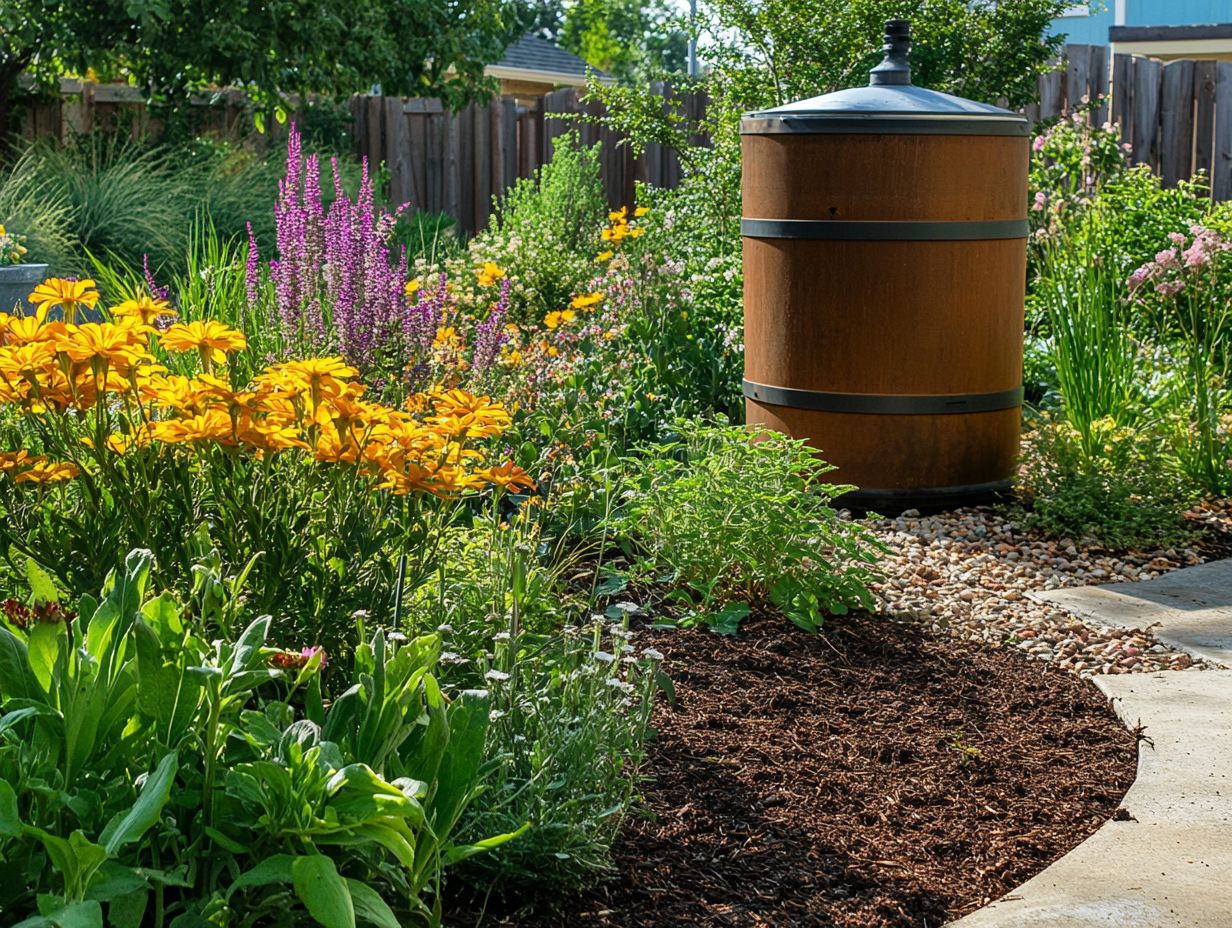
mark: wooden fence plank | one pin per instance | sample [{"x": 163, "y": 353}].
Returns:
[
  {"x": 1176, "y": 122},
  {"x": 1123, "y": 95},
  {"x": 1052, "y": 96},
  {"x": 1204, "y": 117},
  {"x": 1147, "y": 75},
  {"x": 1098, "y": 84},
  {"x": 1077, "y": 76},
  {"x": 481, "y": 169},
  {"x": 1221, "y": 171}
]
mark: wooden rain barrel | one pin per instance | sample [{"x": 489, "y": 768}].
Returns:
[{"x": 884, "y": 276}]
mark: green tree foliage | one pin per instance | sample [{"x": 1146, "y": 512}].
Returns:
[
  {"x": 176, "y": 47},
  {"x": 628, "y": 39}
]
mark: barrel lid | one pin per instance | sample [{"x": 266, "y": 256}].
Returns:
[{"x": 890, "y": 104}]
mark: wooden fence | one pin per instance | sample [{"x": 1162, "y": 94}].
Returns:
[
  {"x": 437, "y": 160},
  {"x": 455, "y": 162},
  {"x": 1176, "y": 116}
]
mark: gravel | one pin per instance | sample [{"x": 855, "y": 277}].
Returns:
[{"x": 965, "y": 574}]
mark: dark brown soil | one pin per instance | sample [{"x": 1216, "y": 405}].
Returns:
[{"x": 872, "y": 776}]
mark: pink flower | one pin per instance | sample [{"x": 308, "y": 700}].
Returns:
[
  {"x": 1166, "y": 258},
  {"x": 1141, "y": 276},
  {"x": 1176, "y": 238},
  {"x": 1039, "y": 143},
  {"x": 1169, "y": 287},
  {"x": 1041, "y": 201}
]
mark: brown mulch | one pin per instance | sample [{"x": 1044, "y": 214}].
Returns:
[{"x": 871, "y": 776}]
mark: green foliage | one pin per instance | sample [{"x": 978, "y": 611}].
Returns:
[
  {"x": 543, "y": 230},
  {"x": 627, "y": 39},
  {"x": 30, "y": 206},
  {"x": 570, "y": 712},
  {"x": 744, "y": 517},
  {"x": 147, "y": 769},
  {"x": 417, "y": 47},
  {"x": 1125, "y": 490},
  {"x": 1079, "y": 302}
]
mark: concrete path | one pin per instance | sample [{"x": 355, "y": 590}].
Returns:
[
  {"x": 1168, "y": 865},
  {"x": 1189, "y": 609}
]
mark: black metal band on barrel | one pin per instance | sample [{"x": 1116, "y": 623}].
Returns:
[
  {"x": 898, "y": 404},
  {"x": 924, "y": 124},
  {"x": 877, "y": 231}
]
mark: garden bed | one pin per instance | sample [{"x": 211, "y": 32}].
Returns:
[{"x": 875, "y": 775}]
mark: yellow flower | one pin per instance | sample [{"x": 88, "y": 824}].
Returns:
[
  {"x": 411, "y": 287},
  {"x": 508, "y": 476},
  {"x": 144, "y": 309},
  {"x": 489, "y": 274},
  {"x": 589, "y": 299},
  {"x": 561, "y": 317},
  {"x": 211, "y": 339},
  {"x": 619, "y": 215},
  {"x": 48, "y": 472},
  {"x": 641, "y": 211},
  {"x": 604, "y": 256},
  {"x": 70, "y": 294},
  {"x": 16, "y": 460},
  {"x": 104, "y": 340}
]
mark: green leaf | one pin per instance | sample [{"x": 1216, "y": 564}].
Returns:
[
  {"x": 128, "y": 911},
  {"x": 42, "y": 586},
  {"x": 130, "y": 826},
  {"x": 274, "y": 869},
  {"x": 16, "y": 680},
  {"x": 43, "y": 649},
  {"x": 10, "y": 822},
  {"x": 114, "y": 880},
  {"x": 322, "y": 891},
  {"x": 370, "y": 907},
  {"x": 727, "y": 620}
]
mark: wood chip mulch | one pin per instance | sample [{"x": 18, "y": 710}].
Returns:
[{"x": 870, "y": 776}]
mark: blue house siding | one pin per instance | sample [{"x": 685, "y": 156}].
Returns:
[{"x": 1092, "y": 29}]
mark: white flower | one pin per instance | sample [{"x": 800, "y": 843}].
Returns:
[
  {"x": 452, "y": 657},
  {"x": 360, "y": 614},
  {"x": 501, "y": 636},
  {"x": 628, "y": 608},
  {"x": 444, "y": 629},
  {"x": 621, "y": 685},
  {"x": 498, "y": 676},
  {"x": 495, "y": 714},
  {"x": 652, "y": 654},
  {"x": 604, "y": 657}
]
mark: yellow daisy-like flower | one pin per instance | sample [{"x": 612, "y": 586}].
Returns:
[
  {"x": 558, "y": 318},
  {"x": 211, "y": 339},
  {"x": 411, "y": 288},
  {"x": 70, "y": 294},
  {"x": 604, "y": 256},
  {"x": 16, "y": 460},
  {"x": 641, "y": 211},
  {"x": 584, "y": 301},
  {"x": 48, "y": 472},
  {"x": 145, "y": 309},
  {"x": 508, "y": 476},
  {"x": 489, "y": 274}
]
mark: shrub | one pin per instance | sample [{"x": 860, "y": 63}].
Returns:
[
  {"x": 174, "y": 779},
  {"x": 1124, "y": 491},
  {"x": 746, "y": 518},
  {"x": 542, "y": 231}
]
